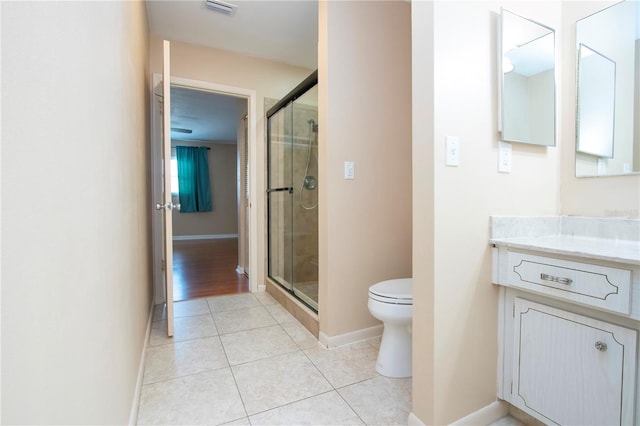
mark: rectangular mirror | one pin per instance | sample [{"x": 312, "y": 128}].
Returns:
[
  {"x": 608, "y": 91},
  {"x": 527, "y": 55},
  {"x": 596, "y": 102}
]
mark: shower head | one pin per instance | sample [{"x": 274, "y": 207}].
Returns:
[{"x": 314, "y": 125}]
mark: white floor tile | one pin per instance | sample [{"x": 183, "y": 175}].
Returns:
[
  {"x": 280, "y": 314},
  {"x": 303, "y": 338},
  {"x": 325, "y": 409},
  {"x": 242, "y": 319},
  {"x": 251, "y": 345},
  {"x": 232, "y": 302},
  {"x": 346, "y": 364},
  {"x": 381, "y": 400},
  {"x": 183, "y": 358},
  {"x": 279, "y": 373},
  {"x": 507, "y": 421},
  {"x": 278, "y": 380},
  {"x": 186, "y": 328},
  {"x": 265, "y": 298},
  {"x": 186, "y": 308},
  {"x": 240, "y": 422},
  {"x": 206, "y": 398}
]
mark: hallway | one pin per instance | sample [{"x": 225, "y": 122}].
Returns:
[{"x": 243, "y": 359}]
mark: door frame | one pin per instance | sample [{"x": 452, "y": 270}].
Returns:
[{"x": 156, "y": 174}]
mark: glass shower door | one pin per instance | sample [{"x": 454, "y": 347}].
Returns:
[
  {"x": 305, "y": 197},
  {"x": 280, "y": 197},
  {"x": 292, "y": 192}
]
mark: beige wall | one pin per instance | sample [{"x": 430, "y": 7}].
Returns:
[
  {"x": 601, "y": 196},
  {"x": 76, "y": 287},
  {"x": 267, "y": 78},
  {"x": 455, "y": 304},
  {"x": 223, "y": 219},
  {"x": 365, "y": 117}
]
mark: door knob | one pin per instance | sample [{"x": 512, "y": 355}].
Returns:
[
  {"x": 601, "y": 346},
  {"x": 166, "y": 206}
]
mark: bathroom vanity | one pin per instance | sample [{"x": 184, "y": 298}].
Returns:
[{"x": 569, "y": 317}]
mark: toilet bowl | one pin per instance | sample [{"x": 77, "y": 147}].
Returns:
[{"x": 392, "y": 303}]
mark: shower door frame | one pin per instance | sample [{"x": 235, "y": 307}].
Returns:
[{"x": 302, "y": 88}]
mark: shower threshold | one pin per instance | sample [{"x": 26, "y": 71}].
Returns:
[{"x": 306, "y": 292}]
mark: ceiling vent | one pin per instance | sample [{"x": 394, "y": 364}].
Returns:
[{"x": 221, "y": 7}]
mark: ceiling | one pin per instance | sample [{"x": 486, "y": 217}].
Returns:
[
  {"x": 281, "y": 31},
  {"x": 210, "y": 116}
]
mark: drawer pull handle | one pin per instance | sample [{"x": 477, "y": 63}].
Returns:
[
  {"x": 601, "y": 346},
  {"x": 559, "y": 280}
]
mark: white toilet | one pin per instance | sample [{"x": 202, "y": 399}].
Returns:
[{"x": 392, "y": 303}]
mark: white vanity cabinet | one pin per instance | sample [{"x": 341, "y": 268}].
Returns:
[
  {"x": 569, "y": 325},
  {"x": 570, "y": 369}
]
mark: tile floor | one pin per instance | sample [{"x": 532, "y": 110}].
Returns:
[{"x": 244, "y": 360}]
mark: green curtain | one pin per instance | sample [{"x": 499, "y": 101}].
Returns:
[{"x": 193, "y": 179}]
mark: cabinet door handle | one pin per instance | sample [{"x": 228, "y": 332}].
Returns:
[
  {"x": 601, "y": 346},
  {"x": 559, "y": 280}
]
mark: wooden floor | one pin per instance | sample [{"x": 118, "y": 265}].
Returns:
[{"x": 203, "y": 268}]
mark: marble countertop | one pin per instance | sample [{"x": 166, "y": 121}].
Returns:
[
  {"x": 624, "y": 251},
  {"x": 610, "y": 239}
]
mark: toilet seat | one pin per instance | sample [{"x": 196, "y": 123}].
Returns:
[{"x": 395, "y": 292}]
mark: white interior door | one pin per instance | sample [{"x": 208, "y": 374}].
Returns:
[
  {"x": 166, "y": 204},
  {"x": 245, "y": 196}
]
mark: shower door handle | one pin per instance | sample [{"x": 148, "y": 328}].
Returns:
[{"x": 285, "y": 188}]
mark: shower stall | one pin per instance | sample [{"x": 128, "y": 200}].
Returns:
[{"x": 292, "y": 192}]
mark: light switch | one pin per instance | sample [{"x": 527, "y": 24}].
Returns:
[
  {"x": 349, "y": 170},
  {"x": 452, "y": 151},
  {"x": 504, "y": 157}
]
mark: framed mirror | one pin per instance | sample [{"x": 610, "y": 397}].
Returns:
[
  {"x": 528, "y": 90},
  {"x": 608, "y": 91}
]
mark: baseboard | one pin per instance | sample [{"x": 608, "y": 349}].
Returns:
[
  {"x": 133, "y": 415},
  {"x": 203, "y": 237},
  {"x": 486, "y": 415},
  {"x": 414, "y": 420},
  {"x": 351, "y": 337}
]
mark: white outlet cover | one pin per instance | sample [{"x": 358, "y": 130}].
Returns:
[
  {"x": 452, "y": 151},
  {"x": 504, "y": 157},
  {"x": 349, "y": 170}
]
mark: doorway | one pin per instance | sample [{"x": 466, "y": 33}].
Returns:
[
  {"x": 211, "y": 249},
  {"x": 206, "y": 260}
]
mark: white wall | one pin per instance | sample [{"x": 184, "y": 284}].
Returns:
[
  {"x": 364, "y": 106},
  {"x": 455, "y": 305},
  {"x": 76, "y": 288}
]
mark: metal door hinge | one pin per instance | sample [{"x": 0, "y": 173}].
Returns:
[
  {"x": 513, "y": 311},
  {"x": 511, "y": 391},
  {"x": 163, "y": 265}
]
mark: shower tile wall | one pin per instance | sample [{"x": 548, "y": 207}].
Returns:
[{"x": 305, "y": 238}]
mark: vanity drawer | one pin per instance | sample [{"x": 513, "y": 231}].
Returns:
[{"x": 600, "y": 286}]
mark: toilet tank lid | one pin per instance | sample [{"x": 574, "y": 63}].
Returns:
[{"x": 401, "y": 288}]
